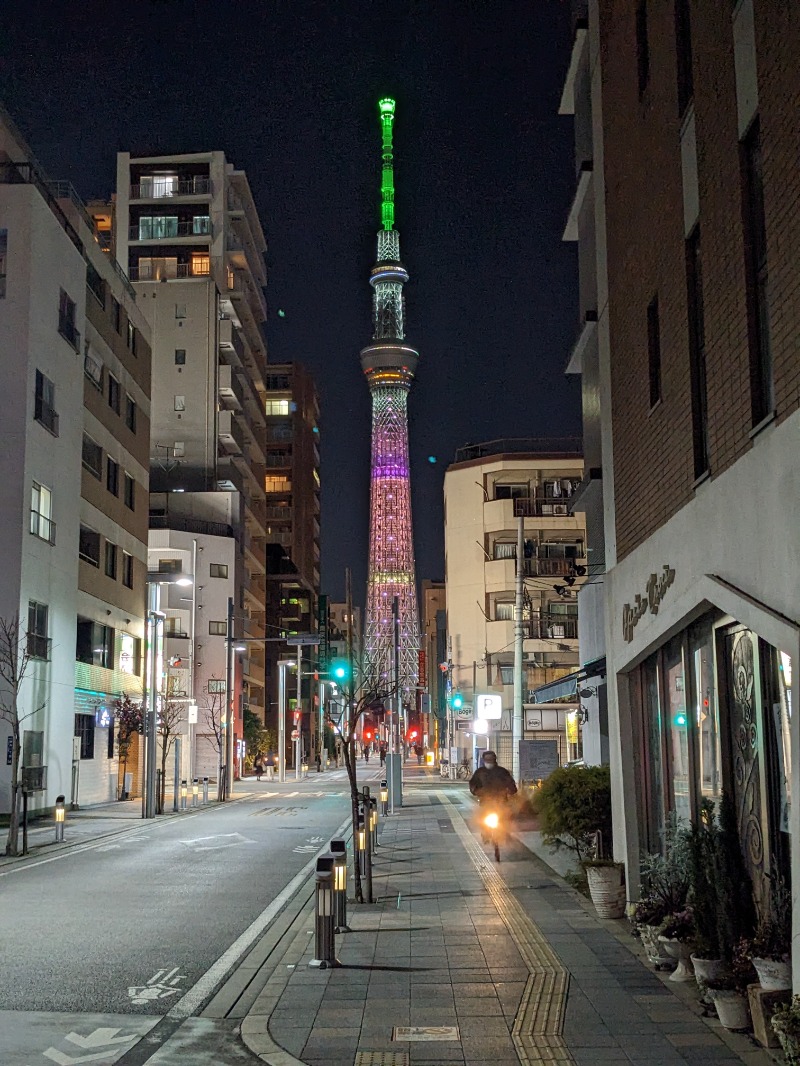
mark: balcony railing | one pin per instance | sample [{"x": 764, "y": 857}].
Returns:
[
  {"x": 553, "y": 447},
  {"x": 166, "y": 187},
  {"x": 194, "y": 228},
  {"x": 159, "y": 269},
  {"x": 45, "y": 415},
  {"x": 42, "y": 527},
  {"x": 547, "y": 507}
]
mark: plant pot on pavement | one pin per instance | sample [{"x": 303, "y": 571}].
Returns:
[
  {"x": 706, "y": 970},
  {"x": 790, "y": 1044},
  {"x": 774, "y": 975},
  {"x": 732, "y": 1009},
  {"x": 681, "y": 953},
  {"x": 655, "y": 952},
  {"x": 607, "y": 888}
]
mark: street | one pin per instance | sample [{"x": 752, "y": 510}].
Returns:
[{"x": 124, "y": 931}]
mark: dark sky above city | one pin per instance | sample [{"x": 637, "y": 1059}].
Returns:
[{"x": 289, "y": 89}]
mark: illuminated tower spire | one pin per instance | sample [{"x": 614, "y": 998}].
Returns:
[{"x": 389, "y": 365}]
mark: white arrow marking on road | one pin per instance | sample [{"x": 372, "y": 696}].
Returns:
[
  {"x": 72, "y": 1060},
  {"x": 305, "y": 848},
  {"x": 99, "y": 1038},
  {"x": 315, "y": 840},
  {"x": 223, "y": 840}
]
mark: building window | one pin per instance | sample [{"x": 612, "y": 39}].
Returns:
[
  {"x": 277, "y": 484},
  {"x": 89, "y": 546},
  {"x": 116, "y": 316},
  {"x": 697, "y": 352},
  {"x": 127, "y": 570},
  {"x": 66, "y": 321},
  {"x": 130, "y": 653},
  {"x": 215, "y": 685},
  {"x": 512, "y": 492},
  {"x": 84, "y": 728},
  {"x": 642, "y": 46},
  {"x": 130, "y": 413},
  {"x": 131, "y": 337},
  {"x": 155, "y": 227},
  {"x": 180, "y": 357},
  {"x": 201, "y": 224},
  {"x": 92, "y": 457},
  {"x": 218, "y": 570},
  {"x": 114, "y": 394},
  {"x": 41, "y": 509},
  {"x": 94, "y": 644},
  {"x": 217, "y": 629},
  {"x": 156, "y": 186},
  {"x": 170, "y": 566},
  {"x": 179, "y": 403},
  {"x": 277, "y": 407},
  {"x": 130, "y": 492},
  {"x": 180, "y": 311},
  {"x": 111, "y": 560},
  {"x": 654, "y": 351},
  {"x": 96, "y": 284},
  {"x": 38, "y": 645},
  {"x": 277, "y": 381},
  {"x": 178, "y": 449},
  {"x": 112, "y": 476},
  {"x": 93, "y": 369},
  {"x": 761, "y": 371},
  {"x": 44, "y": 403},
  {"x": 683, "y": 47},
  {"x": 504, "y": 612},
  {"x": 200, "y": 264},
  {"x": 505, "y": 549}
]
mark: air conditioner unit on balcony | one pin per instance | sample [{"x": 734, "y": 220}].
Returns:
[
  {"x": 547, "y": 508},
  {"x": 560, "y": 508}
]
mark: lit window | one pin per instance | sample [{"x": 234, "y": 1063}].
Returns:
[
  {"x": 180, "y": 403},
  {"x": 200, "y": 264},
  {"x": 278, "y": 484},
  {"x": 41, "y": 509},
  {"x": 277, "y": 407}
]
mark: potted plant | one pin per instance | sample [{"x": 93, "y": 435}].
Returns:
[
  {"x": 728, "y": 991},
  {"x": 770, "y": 948},
  {"x": 648, "y": 915},
  {"x": 606, "y": 886},
  {"x": 677, "y": 934},
  {"x": 665, "y": 887},
  {"x": 706, "y": 959},
  {"x": 786, "y": 1025}
]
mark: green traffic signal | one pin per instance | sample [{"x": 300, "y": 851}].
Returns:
[
  {"x": 458, "y": 701},
  {"x": 340, "y": 670}
]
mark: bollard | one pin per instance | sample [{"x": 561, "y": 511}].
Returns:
[
  {"x": 324, "y": 945},
  {"x": 195, "y": 791},
  {"x": 361, "y": 845},
  {"x": 205, "y": 790},
  {"x": 184, "y": 791},
  {"x": 159, "y": 795},
  {"x": 365, "y": 821},
  {"x": 384, "y": 798},
  {"x": 60, "y": 816},
  {"x": 339, "y": 852},
  {"x": 373, "y": 822}
]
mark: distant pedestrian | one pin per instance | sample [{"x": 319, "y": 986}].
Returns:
[
  {"x": 258, "y": 767},
  {"x": 382, "y": 754},
  {"x": 365, "y": 752},
  {"x": 419, "y": 751},
  {"x": 319, "y": 763}
]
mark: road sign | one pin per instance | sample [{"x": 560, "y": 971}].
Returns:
[
  {"x": 304, "y": 639},
  {"x": 295, "y": 734},
  {"x": 489, "y": 706}
]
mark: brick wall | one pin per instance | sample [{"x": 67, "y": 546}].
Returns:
[{"x": 653, "y": 457}]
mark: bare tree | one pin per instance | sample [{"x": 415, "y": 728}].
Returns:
[
  {"x": 170, "y": 720},
  {"x": 15, "y": 659},
  {"x": 213, "y": 704},
  {"x": 129, "y": 716}
]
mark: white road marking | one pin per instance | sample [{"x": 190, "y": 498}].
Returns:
[
  {"x": 99, "y": 1038},
  {"x": 195, "y": 996},
  {"x": 304, "y": 849},
  {"x": 217, "y": 842},
  {"x": 107, "y": 1039},
  {"x": 161, "y": 985}
]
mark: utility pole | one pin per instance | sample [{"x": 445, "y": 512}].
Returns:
[
  {"x": 516, "y": 721},
  {"x": 229, "y": 697},
  {"x": 298, "y": 744},
  {"x": 451, "y": 770}
]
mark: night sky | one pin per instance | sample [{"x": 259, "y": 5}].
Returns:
[{"x": 289, "y": 89}]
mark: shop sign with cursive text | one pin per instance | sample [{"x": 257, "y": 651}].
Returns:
[{"x": 657, "y": 585}]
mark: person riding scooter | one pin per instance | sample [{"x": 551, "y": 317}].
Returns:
[{"x": 490, "y": 782}]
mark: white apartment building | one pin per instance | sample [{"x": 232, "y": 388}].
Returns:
[
  {"x": 188, "y": 233},
  {"x": 486, "y": 491},
  {"x": 75, "y": 399}
]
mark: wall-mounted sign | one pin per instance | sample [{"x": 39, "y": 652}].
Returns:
[
  {"x": 9, "y": 751},
  {"x": 127, "y": 656},
  {"x": 191, "y": 714},
  {"x": 103, "y": 718},
  {"x": 655, "y": 590},
  {"x": 489, "y": 707}
]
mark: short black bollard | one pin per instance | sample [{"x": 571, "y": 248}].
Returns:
[
  {"x": 184, "y": 791},
  {"x": 60, "y": 816},
  {"x": 384, "y": 798},
  {"x": 324, "y": 945},
  {"x": 205, "y": 790},
  {"x": 339, "y": 852}
]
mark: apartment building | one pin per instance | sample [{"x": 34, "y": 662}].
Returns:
[
  {"x": 487, "y": 491},
  {"x": 188, "y": 233},
  {"x": 293, "y": 527},
  {"x": 689, "y": 134},
  {"x": 76, "y": 412}
]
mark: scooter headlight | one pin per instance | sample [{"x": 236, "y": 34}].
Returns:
[{"x": 491, "y": 821}]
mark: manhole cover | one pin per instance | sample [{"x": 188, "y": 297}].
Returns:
[
  {"x": 425, "y": 1032},
  {"x": 382, "y": 1058}
]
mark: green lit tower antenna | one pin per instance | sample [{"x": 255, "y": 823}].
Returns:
[{"x": 389, "y": 364}]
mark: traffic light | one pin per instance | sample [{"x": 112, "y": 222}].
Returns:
[
  {"x": 340, "y": 671},
  {"x": 413, "y": 734},
  {"x": 297, "y": 716},
  {"x": 367, "y": 734},
  {"x": 457, "y": 701},
  {"x": 680, "y": 719}
]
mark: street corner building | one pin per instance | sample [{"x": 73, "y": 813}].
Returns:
[{"x": 687, "y": 222}]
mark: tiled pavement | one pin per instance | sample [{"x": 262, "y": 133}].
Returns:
[{"x": 517, "y": 961}]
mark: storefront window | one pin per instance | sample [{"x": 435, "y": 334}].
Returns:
[
  {"x": 706, "y": 712},
  {"x": 678, "y": 728},
  {"x": 655, "y": 762},
  {"x": 783, "y": 716}
]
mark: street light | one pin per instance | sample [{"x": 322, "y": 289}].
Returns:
[
  {"x": 155, "y": 579},
  {"x": 283, "y": 666}
]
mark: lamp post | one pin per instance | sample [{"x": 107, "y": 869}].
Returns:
[
  {"x": 155, "y": 579},
  {"x": 283, "y": 666}
]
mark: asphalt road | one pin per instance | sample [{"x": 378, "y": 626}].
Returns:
[{"x": 129, "y": 927}]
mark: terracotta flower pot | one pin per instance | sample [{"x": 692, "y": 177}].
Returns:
[
  {"x": 680, "y": 953},
  {"x": 732, "y": 1009},
  {"x": 773, "y": 975},
  {"x": 607, "y": 890}
]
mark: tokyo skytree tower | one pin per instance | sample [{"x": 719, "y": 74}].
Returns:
[{"x": 389, "y": 365}]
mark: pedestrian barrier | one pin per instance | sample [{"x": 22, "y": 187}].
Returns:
[{"x": 324, "y": 943}]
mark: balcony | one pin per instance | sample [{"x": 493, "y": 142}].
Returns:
[
  {"x": 167, "y": 268},
  {"x": 229, "y": 433},
  {"x": 163, "y": 187},
  {"x": 279, "y": 461},
  {"x": 197, "y": 227},
  {"x": 539, "y": 634},
  {"x": 229, "y": 388}
]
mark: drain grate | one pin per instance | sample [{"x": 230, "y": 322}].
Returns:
[
  {"x": 425, "y": 1032},
  {"x": 382, "y": 1058}
]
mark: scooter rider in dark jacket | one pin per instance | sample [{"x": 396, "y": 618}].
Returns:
[{"x": 491, "y": 782}]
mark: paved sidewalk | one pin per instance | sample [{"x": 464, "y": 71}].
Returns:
[{"x": 508, "y": 956}]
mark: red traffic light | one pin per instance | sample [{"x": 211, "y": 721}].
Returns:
[
  {"x": 298, "y": 715},
  {"x": 367, "y": 734},
  {"x": 412, "y": 734}
]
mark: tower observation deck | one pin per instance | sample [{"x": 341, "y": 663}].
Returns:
[{"x": 389, "y": 364}]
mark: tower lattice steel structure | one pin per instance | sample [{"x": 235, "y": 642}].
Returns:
[{"x": 389, "y": 365}]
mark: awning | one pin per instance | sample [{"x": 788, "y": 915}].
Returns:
[{"x": 567, "y": 685}]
